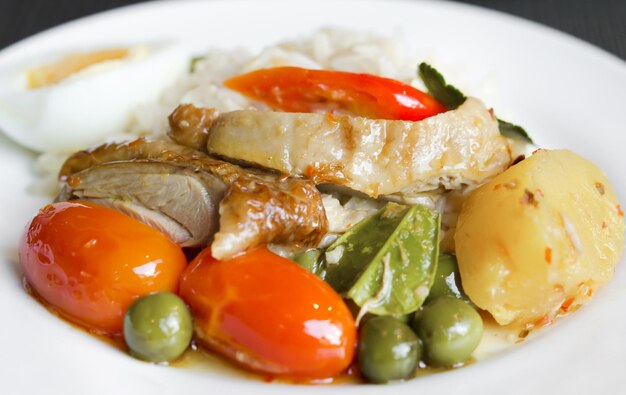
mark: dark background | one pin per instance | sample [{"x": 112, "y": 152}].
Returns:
[{"x": 601, "y": 22}]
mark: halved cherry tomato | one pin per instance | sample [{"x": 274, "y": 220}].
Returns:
[
  {"x": 269, "y": 314},
  {"x": 295, "y": 89},
  {"x": 90, "y": 262}
]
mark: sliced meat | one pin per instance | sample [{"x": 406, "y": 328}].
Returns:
[
  {"x": 179, "y": 201},
  {"x": 254, "y": 207},
  {"x": 372, "y": 156}
]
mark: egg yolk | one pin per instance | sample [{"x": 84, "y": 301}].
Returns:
[{"x": 55, "y": 72}]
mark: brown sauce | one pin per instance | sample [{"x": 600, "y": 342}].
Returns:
[{"x": 496, "y": 339}]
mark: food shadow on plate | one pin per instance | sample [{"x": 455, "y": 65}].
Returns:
[
  {"x": 10, "y": 145},
  {"x": 11, "y": 257}
]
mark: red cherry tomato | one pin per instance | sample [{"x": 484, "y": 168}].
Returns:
[
  {"x": 269, "y": 314},
  {"x": 90, "y": 262},
  {"x": 295, "y": 89}
]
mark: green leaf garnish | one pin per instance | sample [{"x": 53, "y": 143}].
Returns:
[
  {"x": 445, "y": 94},
  {"x": 193, "y": 62},
  {"x": 452, "y": 98},
  {"x": 386, "y": 263},
  {"x": 513, "y": 131}
]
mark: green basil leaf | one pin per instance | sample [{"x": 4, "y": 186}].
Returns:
[
  {"x": 445, "y": 94},
  {"x": 387, "y": 262},
  {"x": 513, "y": 131},
  {"x": 452, "y": 98}
]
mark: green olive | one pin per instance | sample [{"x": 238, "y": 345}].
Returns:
[
  {"x": 447, "y": 279},
  {"x": 158, "y": 327},
  {"x": 388, "y": 350},
  {"x": 406, "y": 318},
  {"x": 450, "y": 330}
]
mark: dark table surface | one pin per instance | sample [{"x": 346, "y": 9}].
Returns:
[{"x": 601, "y": 22}]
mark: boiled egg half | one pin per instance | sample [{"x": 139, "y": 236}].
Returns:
[{"x": 74, "y": 100}]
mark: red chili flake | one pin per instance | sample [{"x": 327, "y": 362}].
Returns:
[
  {"x": 497, "y": 186},
  {"x": 543, "y": 321},
  {"x": 490, "y": 111},
  {"x": 537, "y": 150},
  {"x": 619, "y": 210},
  {"x": 566, "y": 305},
  {"x": 548, "y": 255},
  {"x": 589, "y": 292}
]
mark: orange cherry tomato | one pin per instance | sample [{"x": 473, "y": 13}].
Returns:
[
  {"x": 90, "y": 262},
  {"x": 269, "y": 314},
  {"x": 295, "y": 89}
]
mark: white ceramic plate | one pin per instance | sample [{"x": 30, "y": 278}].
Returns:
[{"x": 565, "y": 92}]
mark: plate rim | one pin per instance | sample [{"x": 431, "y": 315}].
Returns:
[{"x": 586, "y": 47}]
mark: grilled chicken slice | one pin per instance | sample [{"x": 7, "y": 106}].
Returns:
[
  {"x": 372, "y": 156},
  {"x": 153, "y": 181}
]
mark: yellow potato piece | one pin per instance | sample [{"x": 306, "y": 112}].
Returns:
[
  {"x": 540, "y": 238},
  {"x": 53, "y": 73}
]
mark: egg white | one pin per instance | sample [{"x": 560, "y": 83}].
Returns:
[{"x": 88, "y": 106}]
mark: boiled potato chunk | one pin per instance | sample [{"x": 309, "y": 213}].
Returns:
[{"x": 539, "y": 238}]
